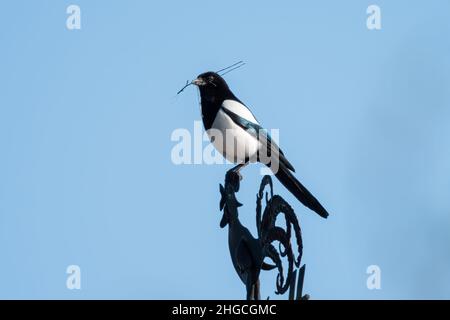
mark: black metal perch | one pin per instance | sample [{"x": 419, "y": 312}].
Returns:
[{"x": 247, "y": 252}]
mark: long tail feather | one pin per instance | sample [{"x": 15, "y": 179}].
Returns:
[{"x": 299, "y": 191}]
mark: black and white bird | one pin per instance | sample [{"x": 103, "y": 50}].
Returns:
[{"x": 243, "y": 138}]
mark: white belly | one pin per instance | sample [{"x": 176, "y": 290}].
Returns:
[{"x": 233, "y": 142}]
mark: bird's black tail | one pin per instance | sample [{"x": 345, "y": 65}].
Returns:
[{"x": 299, "y": 191}]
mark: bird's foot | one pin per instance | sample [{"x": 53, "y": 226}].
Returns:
[
  {"x": 233, "y": 178},
  {"x": 237, "y": 170}
]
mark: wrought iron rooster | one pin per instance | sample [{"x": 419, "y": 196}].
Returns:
[{"x": 247, "y": 252}]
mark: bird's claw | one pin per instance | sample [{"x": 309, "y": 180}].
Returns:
[{"x": 233, "y": 178}]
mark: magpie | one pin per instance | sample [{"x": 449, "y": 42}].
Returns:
[{"x": 242, "y": 137}]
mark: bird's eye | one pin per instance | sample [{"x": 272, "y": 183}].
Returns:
[{"x": 210, "y": 78}]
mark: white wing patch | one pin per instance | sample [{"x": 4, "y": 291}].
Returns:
[
  {"x": 235, "y": 144},
  {"x": 240, "y": 110}
]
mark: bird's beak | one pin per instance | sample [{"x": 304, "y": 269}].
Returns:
[{"x": 198, "y": 82}]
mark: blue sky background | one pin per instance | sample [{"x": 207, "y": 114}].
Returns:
[{"x": 86, "y": 116}]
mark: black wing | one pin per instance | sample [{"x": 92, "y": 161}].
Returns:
[
  {"x": 284, "y": 173},
  {"x": 262, "y": 135}
]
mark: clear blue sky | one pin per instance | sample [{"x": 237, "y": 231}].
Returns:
[{"x": 86, "y": 117}]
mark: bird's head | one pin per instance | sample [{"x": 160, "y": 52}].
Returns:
[{"x": 211, "y": 84}]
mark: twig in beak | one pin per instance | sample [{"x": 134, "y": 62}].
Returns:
[
  {"x": 239, "y": 64},
  {"x": 229, "y": 69},
  {"x": 188, "y": 83}
]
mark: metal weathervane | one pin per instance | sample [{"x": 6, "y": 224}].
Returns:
[
  {"x": 248, "y": 253},
  {"x": 224, "y": 115}
]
